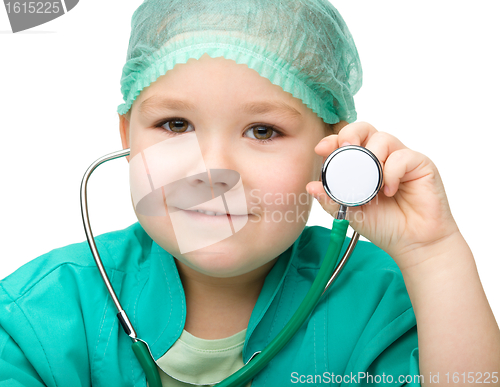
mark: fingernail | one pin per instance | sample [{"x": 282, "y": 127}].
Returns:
[{"x": 345, "y": 143}]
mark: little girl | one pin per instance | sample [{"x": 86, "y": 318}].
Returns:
[{"x": 221, "y": 98}]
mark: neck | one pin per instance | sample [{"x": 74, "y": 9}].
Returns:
[{"x": 220, "y": 307}]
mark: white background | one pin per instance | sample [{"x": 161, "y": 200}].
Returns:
[{"x": 431, "y": 79}]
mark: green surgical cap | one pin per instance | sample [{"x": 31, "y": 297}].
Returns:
[{"x": 303, "y": 46}]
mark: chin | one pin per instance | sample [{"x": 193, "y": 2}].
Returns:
[{"x": 216, "y": 263}]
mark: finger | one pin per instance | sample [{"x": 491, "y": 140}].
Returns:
[
  {"x": 357, "y": 133},
  {"x": 327, "y": 145},
  {"x": 383, "y": 144},
  {"x": 399, "y": 168},
  {"x": 316, "y": 189}
]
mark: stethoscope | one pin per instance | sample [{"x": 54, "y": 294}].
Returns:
[{"x": 351, "y": 176}]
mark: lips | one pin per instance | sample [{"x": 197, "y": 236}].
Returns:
[
  {"x": 212, "y": 213},
  {"x": 204, "y": 210},
  {"x": 209, "y": 212},
  {"x": 212, "y": 220}
]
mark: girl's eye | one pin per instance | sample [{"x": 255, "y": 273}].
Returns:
[
  {"x": 262, "y": 133},
  {"x": 175, "y": 125}
]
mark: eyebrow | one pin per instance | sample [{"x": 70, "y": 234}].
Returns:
[{"x": 154, "y": 103}]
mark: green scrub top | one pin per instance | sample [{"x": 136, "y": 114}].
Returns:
[{"x": 58, "y": 325}]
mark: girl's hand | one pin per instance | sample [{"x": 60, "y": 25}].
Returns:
[{"x": 411, "y": 211}]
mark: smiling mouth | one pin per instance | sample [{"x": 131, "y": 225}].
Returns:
[{"x": 210, "y": 213}]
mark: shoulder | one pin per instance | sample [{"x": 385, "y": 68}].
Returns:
[
  {"x": 60, "y": 295},
  {"x": 121, "y": 250},
  {"x": 366, "y": 315}
]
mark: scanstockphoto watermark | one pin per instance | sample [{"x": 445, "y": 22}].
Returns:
[
  {"x": 470, "y": 377},
  {"x": 354, "y": 378},
  {"x": 289, "y": 207}
]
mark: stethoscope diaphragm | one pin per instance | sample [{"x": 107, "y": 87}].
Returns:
[{"x": 352, "y": 176}]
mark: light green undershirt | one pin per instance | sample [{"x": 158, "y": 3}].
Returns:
[{"x": 194, "y": 361}]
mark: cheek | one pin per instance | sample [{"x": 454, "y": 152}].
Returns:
[
  {"x": 161, "y": 230},
  {"x": 281, "y": 187}
]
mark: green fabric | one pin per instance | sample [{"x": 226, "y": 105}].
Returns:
[
  {"x": 303, "y": 46},
  {"x": 195, "y": 361},
  {"x": 58, "y": 326}
]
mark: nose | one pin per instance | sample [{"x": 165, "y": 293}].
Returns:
[
  {"x": 223, "y": 180},
  {"x": 220, "y": 180},
  {"x": 219, "y": 162},
  {"x": 215, "y": 146}
]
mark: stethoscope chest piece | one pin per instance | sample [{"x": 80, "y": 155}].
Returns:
[{"x": 352, "y": 175}]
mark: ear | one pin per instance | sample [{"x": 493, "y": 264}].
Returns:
[{"x": 125, "y": 132}]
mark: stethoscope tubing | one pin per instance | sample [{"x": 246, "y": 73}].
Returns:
[{"x": 323, "y": 280}]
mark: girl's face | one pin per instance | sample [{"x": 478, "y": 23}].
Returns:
[{"x": 244, "y": 123}]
